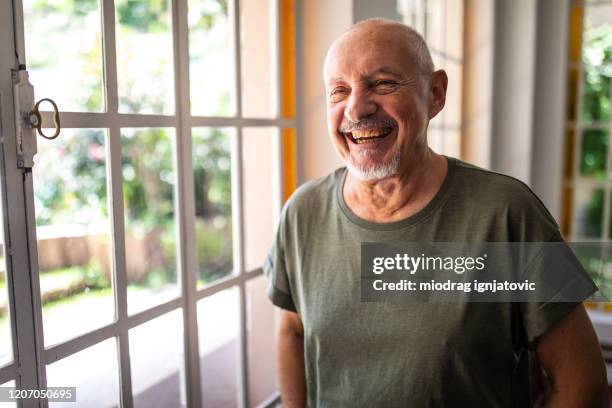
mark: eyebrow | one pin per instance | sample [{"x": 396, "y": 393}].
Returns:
[
  {"x": 381, "y": 70},
  {"x": 386, "y": 70}
]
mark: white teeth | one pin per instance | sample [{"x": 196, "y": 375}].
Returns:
[{"x": 368, "y": 133}]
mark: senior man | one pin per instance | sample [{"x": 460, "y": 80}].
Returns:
[{"x": 335, "y": 351}]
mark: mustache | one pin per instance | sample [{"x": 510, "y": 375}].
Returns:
[{"x": 347, "y": 126}]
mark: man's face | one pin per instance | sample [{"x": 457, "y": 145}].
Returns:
[{"x": 378, "y": 104}]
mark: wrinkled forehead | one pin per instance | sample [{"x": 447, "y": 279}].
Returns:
[{"x": 356, "y": 56}]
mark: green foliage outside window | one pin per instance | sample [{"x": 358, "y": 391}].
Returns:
[
  {"x": 74, "y": 187},
  {"x": 597, "y": 60},
  {"x": 597, "y": 57},
  {"x": 594, "y": 153},
  {"x": 144, "y": 16},
  {"x": 212, "y": 186}
]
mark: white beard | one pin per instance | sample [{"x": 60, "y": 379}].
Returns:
[{"x": 375, "y": 171}]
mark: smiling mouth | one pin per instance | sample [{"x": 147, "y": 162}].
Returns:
[{"x": 368, "y": 136}]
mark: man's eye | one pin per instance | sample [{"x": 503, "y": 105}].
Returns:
[
  {"x": 337, "y": 94},
  {"x": 384, "y": 86},
  {"x": 384, "y": 83}
]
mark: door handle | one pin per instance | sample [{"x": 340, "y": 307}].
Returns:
[
  {"x": 35, "y": 119},
  {"x": 28, "y": 118}
]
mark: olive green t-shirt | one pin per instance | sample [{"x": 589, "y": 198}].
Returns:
[{"x": 360, "y": 354}]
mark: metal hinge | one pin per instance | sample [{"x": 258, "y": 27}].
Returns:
[{"x": 24, "y": 102}]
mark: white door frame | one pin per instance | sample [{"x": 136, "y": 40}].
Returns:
[{"x": 19, "y": 232}]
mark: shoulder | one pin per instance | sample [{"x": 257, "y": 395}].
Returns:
[
  {"x": 315, "y": 195},
  {"x": 495, "y": 187},
  {"x": 309, "y": 207},
  {"x": 503, "y": 195}
]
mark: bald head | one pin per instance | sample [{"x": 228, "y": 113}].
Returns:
[
  {"x": 377, "y": 32},
  {"x": 381, "y": 91}
]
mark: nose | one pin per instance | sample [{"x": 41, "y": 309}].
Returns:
[{"x": 359, "y": 106}]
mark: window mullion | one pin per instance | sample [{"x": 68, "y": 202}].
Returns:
[
  {"x": 119, "y": 263},
  {"x": 90, "y": 120},
  {"x": 109, "y": 45},
  {"x": 237, "y": 208},
  {"x": 185, "y": 205},
  {"x": 115, "y": 184},
  {"x": 238, "y": 260},
  {"x": 235, "y": 34}
]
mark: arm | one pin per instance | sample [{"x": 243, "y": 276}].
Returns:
[
  {"x": 570, "y": 354},
  {"x": 290, "y": 361}
]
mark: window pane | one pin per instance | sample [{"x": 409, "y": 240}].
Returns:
[
  {"x": 213, "y": 202},
  {"x": 435, "y": 27},
  {"x": 596, "y": 94},
  {"x": 597, "y": 57},
  {"x": 588, "y": 213},
  {"x": 258, "y": 55},
  {"x": 453, "y": 41},
  {"x": 150, "y": 221},
  {"x": 261, "y": 344},
  {"x": 93, "y": 371},
  {"x": 413, "y": 13},
  {"x": 156, "y": 356},
  {"x": 211, "y": 58},
  {"x": 218, "y": 328},
  {"x": 594, "y": 153},
  {"x": 73, "y": 231},
  {"x": 64, "y": 52},
  {"x": 596, "y": 48},
  {"x": 145, "y": 72},
  {"x": 258, "y": 156}
]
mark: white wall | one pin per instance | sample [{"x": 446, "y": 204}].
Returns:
[
  {"x": 478, "y": 82},
  {"x": 321, "y": 22},
  {"x": 513, "y": 93},
  {"x": 549, "y": 103}
]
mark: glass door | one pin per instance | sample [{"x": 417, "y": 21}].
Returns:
[{"x": 142, "y": 228}]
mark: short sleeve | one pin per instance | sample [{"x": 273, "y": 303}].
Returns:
[
  {"x": 275, "y": 270},
  {"x": 572, "y": 286},
  {"x": 539, "y": 317}
]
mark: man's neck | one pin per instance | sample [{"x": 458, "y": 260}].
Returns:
[{"x": 398, "y": 197}]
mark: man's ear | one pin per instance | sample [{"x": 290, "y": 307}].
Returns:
[{"x": 437, "y": 92}]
